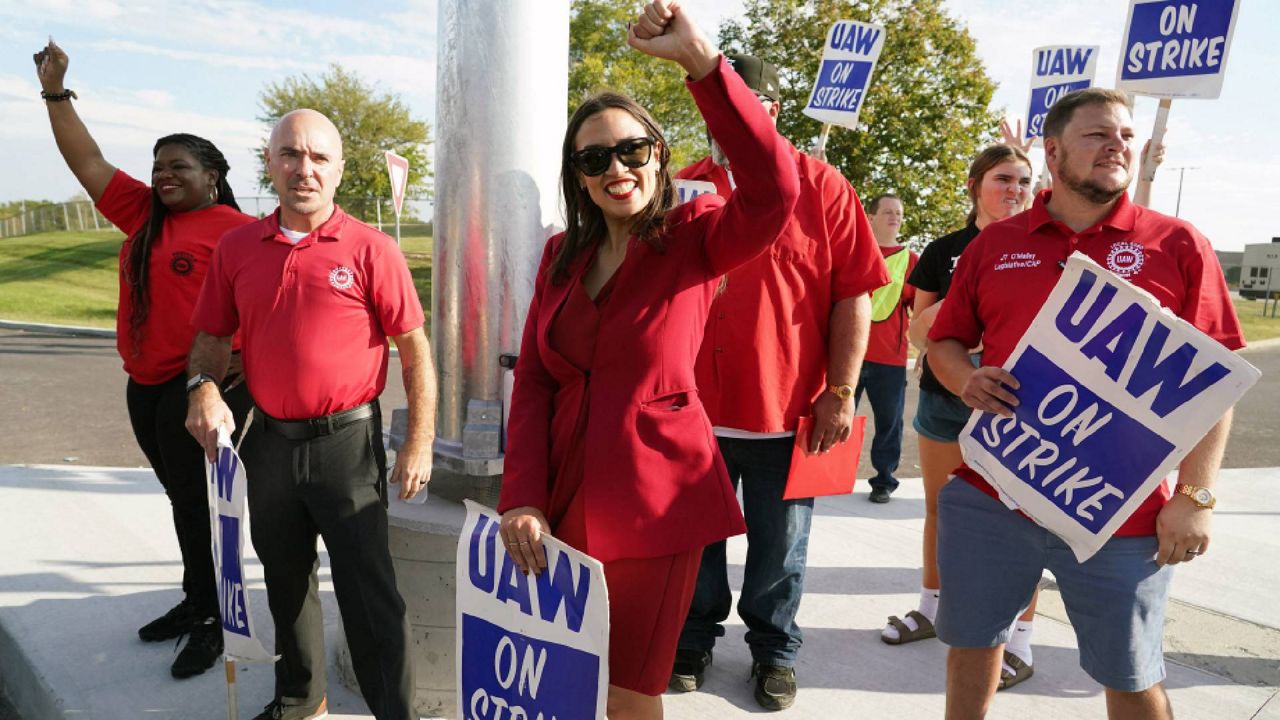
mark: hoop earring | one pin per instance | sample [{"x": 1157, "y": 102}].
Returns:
[{"x": 213, "y": 195}]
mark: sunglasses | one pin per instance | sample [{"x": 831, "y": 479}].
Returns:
[{"x": 594, "y": 160}]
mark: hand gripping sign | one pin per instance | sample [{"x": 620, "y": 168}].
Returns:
[
  {"x": 844, "y": 74},
  {"x": 1114, "y": 390},
  {"x": 227, "y": 488},
  {"x": 529, "y": 647},
  {"x": 1176, "y": 48},
  {"x": 1055, "y": 71}
]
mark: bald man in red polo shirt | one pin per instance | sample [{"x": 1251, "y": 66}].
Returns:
[
  {"x": 989, "y": 556},
  {"x": 784, "y": 340},
  {"x": 315, "y": 294}
]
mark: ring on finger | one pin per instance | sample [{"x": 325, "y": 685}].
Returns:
[{"x": 1193, "y": 553}]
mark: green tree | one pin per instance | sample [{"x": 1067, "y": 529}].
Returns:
[
  {"x": 600, "y": 59},
  {"x": 370, "y": 122},
  {"x": 922, "y": 121}
]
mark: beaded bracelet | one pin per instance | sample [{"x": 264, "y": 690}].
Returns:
[{"x": 59, "y": 97}]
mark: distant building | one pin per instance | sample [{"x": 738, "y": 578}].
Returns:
[
  {"x": 1230, "y": 260},
  {"x": 1260, "y": 270}
]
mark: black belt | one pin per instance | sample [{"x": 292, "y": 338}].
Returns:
[{"x": 321, "y": 426}]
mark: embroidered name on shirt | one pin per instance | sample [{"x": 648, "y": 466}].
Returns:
[
  {"x": 342, "y": 277},
  {"x": 1126, "y": 259},
  {"x": 1012, "y": 261}
]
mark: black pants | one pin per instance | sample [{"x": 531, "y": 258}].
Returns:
[
  {"x": 158, "y": 414},
  {"x": 333, "y": 486}
]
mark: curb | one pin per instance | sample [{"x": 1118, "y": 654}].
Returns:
[
  {"x": 24, "y": 686},
  {"x": 72, "y": 330}
]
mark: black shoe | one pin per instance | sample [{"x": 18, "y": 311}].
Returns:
[
  {"x": 276, "y": 710},
  {"x": 203, "y": 648},
  {"x": 879, "y": 495},
  {"x": 689, "y": 669},
  {"x": 170, "y": 625},
  {"x": 775, "y": 686}
]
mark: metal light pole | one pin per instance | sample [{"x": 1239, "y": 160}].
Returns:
[{"x": 1182, "y": 171}]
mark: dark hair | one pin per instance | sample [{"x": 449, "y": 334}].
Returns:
[
  {"x": 1062, "y": 111},
  {"x": 982, "y": 164},
  {"x": 584, "y": 222},
  {"x": 138, "y": 261},
  {"x": 873, "y": 207}
]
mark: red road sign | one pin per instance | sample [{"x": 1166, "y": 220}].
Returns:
[{"x": 398, "y": 169}]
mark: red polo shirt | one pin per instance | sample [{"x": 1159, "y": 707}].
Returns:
[
  {"x": 175, "y": 270},
  {"x": 764, "y": 357},
  {"x": 315, "y": 316},
  {"x": 888, "y": 343},
  {"x": 1007, "y": 273}
]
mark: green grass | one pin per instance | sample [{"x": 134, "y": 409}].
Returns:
[
  {"x": 70, "y": 278},
  {"x": 1256, "y": 327},
  {"x": 63, "y": 277}
]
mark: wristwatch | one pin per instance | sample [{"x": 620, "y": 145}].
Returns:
[
  {"x": 1201, "y": 496},
  {"x": 844, "y": 392},
  {"x": 199, "y": 379}
]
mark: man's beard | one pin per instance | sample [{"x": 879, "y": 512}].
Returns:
[{"x": 1089, "y": 189}]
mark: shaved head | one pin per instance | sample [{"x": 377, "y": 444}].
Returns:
[
  {"x": 307, "y": 122},
  {"x": 304, "y": 159}
]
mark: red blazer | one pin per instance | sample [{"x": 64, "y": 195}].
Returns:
[{"x": 654, "y": 481}]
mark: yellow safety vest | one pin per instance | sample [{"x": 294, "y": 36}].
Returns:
[{"x": 885, "y": 300}]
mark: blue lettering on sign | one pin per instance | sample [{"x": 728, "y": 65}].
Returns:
[
  {"x": 506, "y": 676},
  {"x": 231, "y": 584},
  {"x": 225, "y": 472},
  {"x": 1112, "y": 345},
  {"x": 685, "y": 193},
  {"x": 1062, "y": 61},
  {"x": 1074, "y": 448},
  {"x": 556, "y": 585},
  {"x": 852, "y": 37},
  {"x": 1043, "y": 98},
  {"x": 1177, "y": 38},
  {"x": 841, "y": 85}
]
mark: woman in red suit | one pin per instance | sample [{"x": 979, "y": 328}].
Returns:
[{"x": 608, "y": 447}]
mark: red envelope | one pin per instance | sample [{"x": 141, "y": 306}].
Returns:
[{"x": 829, "y": 474}]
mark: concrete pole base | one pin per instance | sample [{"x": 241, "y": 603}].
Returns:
[{"x": 424, "y": 547}]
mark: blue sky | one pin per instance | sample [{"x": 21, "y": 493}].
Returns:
[{"x": 144, "y": 68}]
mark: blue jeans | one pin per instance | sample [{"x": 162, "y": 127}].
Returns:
[
  {"x": 777, "y": 549},
  {"x": 886, "y": 388}
]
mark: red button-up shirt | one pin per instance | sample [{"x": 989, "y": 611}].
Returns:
[
  {"x": 764, "y": 357},
  {"x": 1008, "y": 271}
]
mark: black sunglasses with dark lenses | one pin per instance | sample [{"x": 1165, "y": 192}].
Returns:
[{"x": 593, "y": 160}]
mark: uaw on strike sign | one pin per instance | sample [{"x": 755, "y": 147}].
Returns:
[
  {"x": 530, "y": 647},
  {"x": 227, "y": 488},
  {"x": 1114, "y": 391},
  {"x": 848, "y": 59}
]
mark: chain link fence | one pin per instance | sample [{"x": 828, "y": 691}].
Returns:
[{"x": 82, "y": 216}]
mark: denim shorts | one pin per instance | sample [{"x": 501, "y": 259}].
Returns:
[
  {"x": 940, "y": 416},
  {"x": 991, "y": 558}
]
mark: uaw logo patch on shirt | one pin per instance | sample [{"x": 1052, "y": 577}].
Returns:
[
  {"x": 182, "y": 263},
  {"x": 342, "y": 277},
  {"x": 1126, "y": 259}
]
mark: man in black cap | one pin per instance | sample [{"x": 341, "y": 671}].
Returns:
[{"x": 785, "y": 340}]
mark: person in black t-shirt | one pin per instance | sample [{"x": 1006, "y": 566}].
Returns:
[{"x": 999, "y": 186}]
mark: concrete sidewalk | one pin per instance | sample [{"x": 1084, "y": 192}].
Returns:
[{"x": 89, "y": 556}]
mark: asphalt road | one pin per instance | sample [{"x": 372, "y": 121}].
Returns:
[{"x": 64, "y": 399}]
